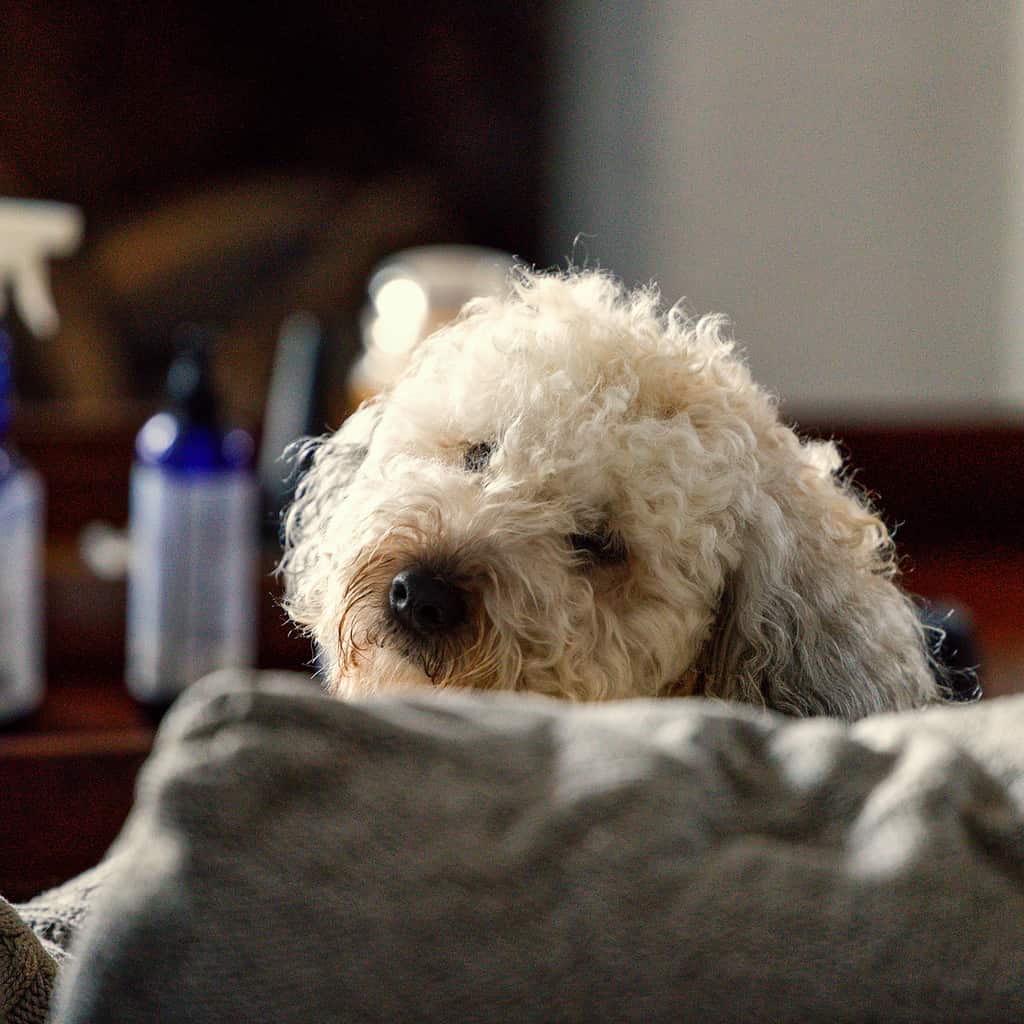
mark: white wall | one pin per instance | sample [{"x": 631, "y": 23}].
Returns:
[{"x": 845, "y": 180}]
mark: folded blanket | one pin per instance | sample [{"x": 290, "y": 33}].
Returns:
[{"x": 447, "y": 857}]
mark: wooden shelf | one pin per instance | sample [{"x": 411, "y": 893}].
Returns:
[{"x": 67, "y": 778}]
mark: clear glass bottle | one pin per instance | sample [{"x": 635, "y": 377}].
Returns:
[
  {"x": 194, "y": 540},
  {"x": 21, "y": 569}
]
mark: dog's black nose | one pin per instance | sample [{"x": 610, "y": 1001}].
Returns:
[{"x": 426, "y": 601}]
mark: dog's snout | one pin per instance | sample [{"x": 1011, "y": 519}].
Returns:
[{"x": 426, "y": 601}]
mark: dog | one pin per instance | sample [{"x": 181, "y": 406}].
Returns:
[{"x": 575, "y": 492}]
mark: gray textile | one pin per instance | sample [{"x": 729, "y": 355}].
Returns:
[
  {"x": 500, "y": 858},
  {"x": 57, "y": 915}
]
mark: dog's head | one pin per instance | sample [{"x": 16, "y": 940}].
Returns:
[{"x": 574, "y": 493}]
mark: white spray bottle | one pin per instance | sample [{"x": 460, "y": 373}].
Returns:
[{"x": 29, "y": 233}]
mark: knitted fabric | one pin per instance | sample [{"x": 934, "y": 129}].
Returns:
[{"x": 27, "y": 971}]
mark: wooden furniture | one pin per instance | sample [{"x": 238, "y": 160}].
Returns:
[{"x": 67, "y": 774}]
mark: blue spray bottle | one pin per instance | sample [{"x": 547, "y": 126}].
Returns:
[
  {"x": 194, "y": 536},
  {"x": 21, "y": 569}
]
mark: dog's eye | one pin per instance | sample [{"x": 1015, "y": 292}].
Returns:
[
  {"x": 477, "y": 457},
  {"x": 599, "y": 548}
]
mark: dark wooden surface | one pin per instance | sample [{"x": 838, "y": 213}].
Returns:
[
  {"x": 64, "y": 796},
  {"x": 940, "y": 485},
  {"x": 67, "y": 774}
]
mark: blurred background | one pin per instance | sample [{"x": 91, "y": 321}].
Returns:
[
  {"x": 840, "y": 180},
  {"x": 844, "y": 181},
  {"x": 233, "y": 169}
]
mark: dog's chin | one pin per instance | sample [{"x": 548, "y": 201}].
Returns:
[
  {"x": 377, "y": 657},
  {"x": 385, "y": 670},
  {"x": 379, "y": 671}
]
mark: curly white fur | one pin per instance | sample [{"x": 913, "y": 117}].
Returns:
[{"x": 748, "y": 569}]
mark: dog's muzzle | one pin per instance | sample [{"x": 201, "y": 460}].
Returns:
[{"x": 426, "y": 603}]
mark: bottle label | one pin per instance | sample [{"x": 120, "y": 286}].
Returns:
[
  {"x": 21, "y": 594},
  {"x": 191, "y": 587}
]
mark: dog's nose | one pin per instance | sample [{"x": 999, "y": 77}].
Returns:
[{"x": 425, "y": 601}]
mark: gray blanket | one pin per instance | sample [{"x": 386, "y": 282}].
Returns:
[{"x": 500, "y": 858}]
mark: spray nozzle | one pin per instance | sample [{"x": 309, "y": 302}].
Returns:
[
  {"x": 31, "y": 231},
  {"x": 189, "y": 379}
]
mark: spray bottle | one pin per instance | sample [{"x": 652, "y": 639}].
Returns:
[
  {"x": 30, "y": 232},
  {"x": 21, "y": 570},
  {"x": 194, "y": 538}
]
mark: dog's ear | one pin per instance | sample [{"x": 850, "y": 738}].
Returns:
[
  {"x": 325, "y": 467},
  {"x": 812, "y": 621}
]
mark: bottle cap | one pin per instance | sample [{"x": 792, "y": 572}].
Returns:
[{"x": 190, "y": 377}]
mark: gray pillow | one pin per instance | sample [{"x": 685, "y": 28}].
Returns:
[{"x": 467, "y": 857}]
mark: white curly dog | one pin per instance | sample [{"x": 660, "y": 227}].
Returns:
[{"x": 572, "y": 492}]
